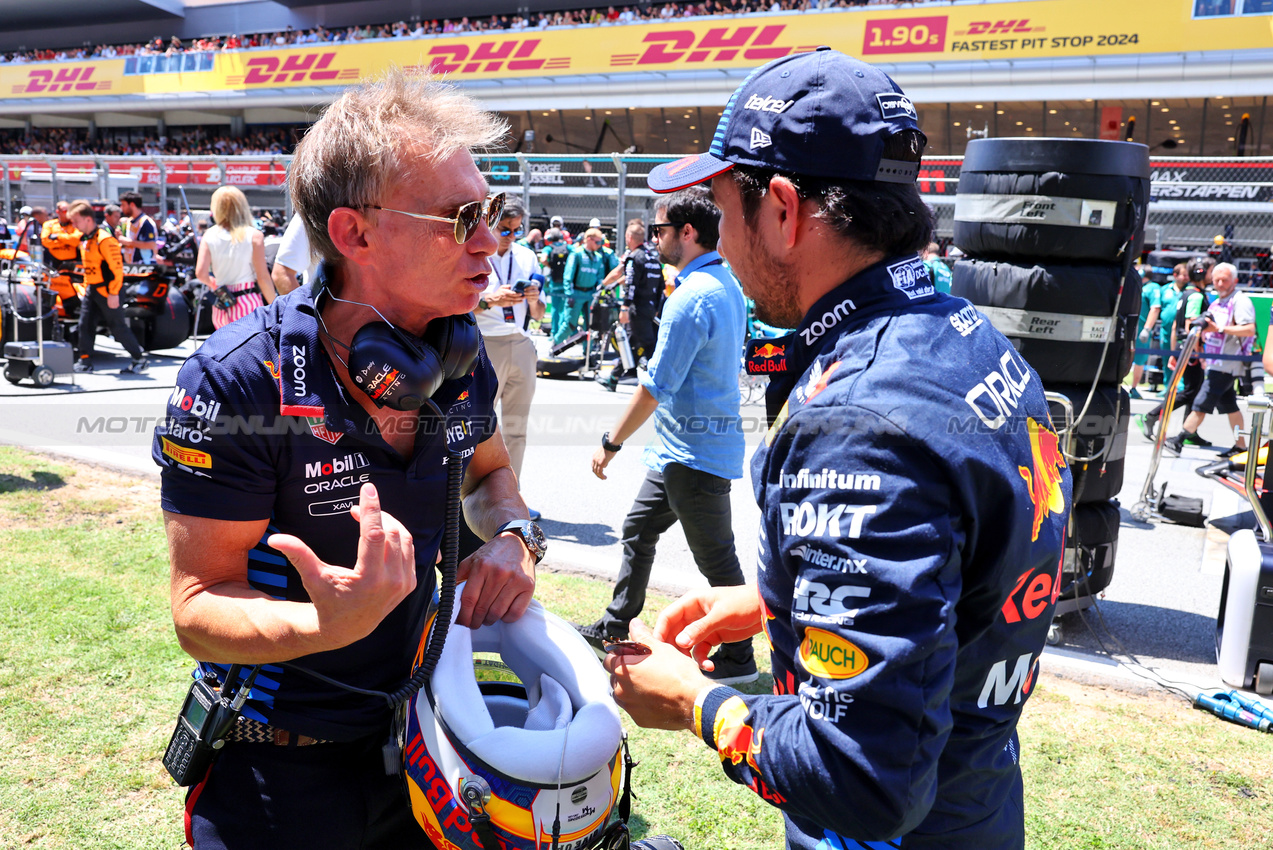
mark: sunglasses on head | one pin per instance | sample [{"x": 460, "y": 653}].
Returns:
[{"x": 467, "y": 218}]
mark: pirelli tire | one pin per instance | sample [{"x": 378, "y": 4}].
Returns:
[
  {"x": 1052, "y": 199},
  {"x": 558, "y": 367},
  {"x": 1088, "y": 567},
  {"x": 1052, "y": 295},
  {"x": 1100, "y": 434}
]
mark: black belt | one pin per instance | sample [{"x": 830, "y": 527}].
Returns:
[{"x": 249, "y": 731}]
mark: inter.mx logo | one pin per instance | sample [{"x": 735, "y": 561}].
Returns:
[
  {"x": 295, "y": 68},
  {"x": 74, "y": 78},
  {"x": 718, "y": 44}
]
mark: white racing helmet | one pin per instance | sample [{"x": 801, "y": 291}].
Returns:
[{"x": 515, "y": 759}]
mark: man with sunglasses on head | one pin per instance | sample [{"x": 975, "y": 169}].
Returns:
[
  {"x": 512, "y": 298},
  {"x": 305, "y": 460}
]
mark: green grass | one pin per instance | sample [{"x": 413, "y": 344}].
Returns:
[{"x": 91, "y": 678}]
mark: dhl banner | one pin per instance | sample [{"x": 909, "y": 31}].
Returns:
[{"x": 1038, "y": 29}]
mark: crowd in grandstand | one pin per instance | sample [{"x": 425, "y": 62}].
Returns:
[
  {"x": 53, "y": 141},
  {"x": 419, "y": 28}
]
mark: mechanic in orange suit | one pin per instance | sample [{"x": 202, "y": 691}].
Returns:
[{"x": 62, "y": 242}]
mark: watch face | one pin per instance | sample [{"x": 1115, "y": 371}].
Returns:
[{"x": 536, "y": 536}]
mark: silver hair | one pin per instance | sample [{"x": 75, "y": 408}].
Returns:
[
  {"x": 356, "y": 149},
  {"x": 1230, "y": 268}
]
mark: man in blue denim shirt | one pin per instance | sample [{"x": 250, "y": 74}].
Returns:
[{"x": 691, "y": 388}]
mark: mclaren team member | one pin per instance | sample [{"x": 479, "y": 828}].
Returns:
[
  {"x": 314, "y": 541},
  {"x": 103, "y": 279},
  {"x": 913, "y": 495},
  {"x": 61, "y": 242}
]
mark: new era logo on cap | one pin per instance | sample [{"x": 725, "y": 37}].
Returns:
[{"x": 759, "y": 138}]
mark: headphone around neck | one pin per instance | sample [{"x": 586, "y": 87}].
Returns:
[{"x": 396, "y": 369}]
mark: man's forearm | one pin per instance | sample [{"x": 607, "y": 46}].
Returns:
[
  {"x": 493, "y": 501},
  {"x": 232, "y": 623},
  {"x": 639, "y": 409}
]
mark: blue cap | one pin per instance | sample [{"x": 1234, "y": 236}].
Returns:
[{"x": 820, "y": 114}]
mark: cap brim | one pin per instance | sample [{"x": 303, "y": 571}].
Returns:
[{"x": 685, "y": 172}]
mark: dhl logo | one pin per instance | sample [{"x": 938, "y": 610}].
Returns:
[
  {"x": 736, "y": 741},
  {"x": 1044, "y": 482},
  {"x": 185, "y": 456},
  {"x": 489, "y": 57},
  {"x": 296, "y": 68},
  {"x": 1000, "y": 27},
  {"x": 75, "y": 78},
  {"x": 755, "y": 44}
]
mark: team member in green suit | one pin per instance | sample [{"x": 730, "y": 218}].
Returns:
[{"x": 589, "y": 262}]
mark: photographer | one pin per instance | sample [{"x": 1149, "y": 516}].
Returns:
[
  {"x": 512, "y": 298},
  {"x": 1228, "y": 328}
]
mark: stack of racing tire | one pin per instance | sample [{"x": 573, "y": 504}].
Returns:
[{"x": 1051, "y": 229}]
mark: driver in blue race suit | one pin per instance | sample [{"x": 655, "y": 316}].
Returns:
[{"x": 913, "y": 494}]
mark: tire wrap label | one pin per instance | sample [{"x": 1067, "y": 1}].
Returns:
[
  {"x": 1062, "y": 327},
  {"x": 1036, "y": 209}
]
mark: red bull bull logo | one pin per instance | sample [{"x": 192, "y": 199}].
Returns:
[
  {"x": 816, "y": 387},
  {"x": 1043, "y": 482},
  {"x": 766, "y": 359},
  {"x": 736, "y": 741}
]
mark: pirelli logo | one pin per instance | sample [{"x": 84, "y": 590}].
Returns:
[{"x": 185, "y": 456}]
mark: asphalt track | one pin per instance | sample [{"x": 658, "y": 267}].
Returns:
[{"x": 1160, "y": 607}]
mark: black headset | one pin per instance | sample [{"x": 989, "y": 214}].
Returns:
[{"x": 398, "y": 370}]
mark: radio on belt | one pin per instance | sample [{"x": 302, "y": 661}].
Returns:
[{"x": 205, "y": 719}]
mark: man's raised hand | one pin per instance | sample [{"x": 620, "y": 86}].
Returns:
[{"x": 351, "y": 602}]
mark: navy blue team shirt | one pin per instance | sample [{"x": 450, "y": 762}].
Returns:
[
  {"x": 260, "y": 427},
  {"x": 914, "y": 504}
]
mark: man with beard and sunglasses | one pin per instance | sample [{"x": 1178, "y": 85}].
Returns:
[
  {"x": 912, "y": 515},
  {"x": 691, "y": 390},
  {"x": 303, "y": 517}
]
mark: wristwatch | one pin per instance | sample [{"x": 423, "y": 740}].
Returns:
[
  {"x": 531, "y": 534},
  {"x": 609, "y": 446}
]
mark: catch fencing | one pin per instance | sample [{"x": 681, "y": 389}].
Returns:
[{"x": 1194, "y": 200}]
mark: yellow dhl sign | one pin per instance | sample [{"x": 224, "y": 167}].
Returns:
[{"x": 1042, "y": 28}]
